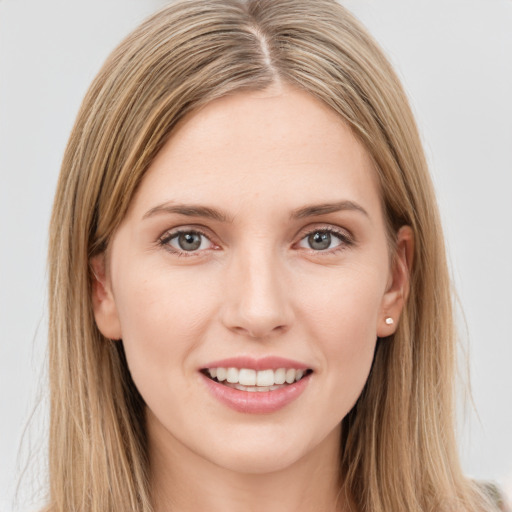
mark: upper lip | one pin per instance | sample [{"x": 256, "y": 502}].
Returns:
[{"x": 261, "y": 363}]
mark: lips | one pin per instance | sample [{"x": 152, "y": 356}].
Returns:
[{"x": 256, "y": 385}]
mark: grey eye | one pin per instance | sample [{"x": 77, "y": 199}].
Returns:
[
  {"x": 190, "y": 241},
  {"x": 183, "y": 242},
  {"x": 320, "y": 240},
  {"x": 187, "y": 241},
  {"x": 323, "y": 239}
]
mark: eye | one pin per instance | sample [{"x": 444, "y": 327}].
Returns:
[
  {"x": 186, "y": 241},
  {"x": 324, "y": 239}
]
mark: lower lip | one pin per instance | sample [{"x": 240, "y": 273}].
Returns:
[{"x": 256, "y": 402}]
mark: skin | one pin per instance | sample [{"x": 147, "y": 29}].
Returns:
[{"x": 255, "y": 287}]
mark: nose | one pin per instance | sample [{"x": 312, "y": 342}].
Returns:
[{"x": 257, "y": 301}]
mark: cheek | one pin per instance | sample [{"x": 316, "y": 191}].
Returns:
[
  {"x": 344, "y": 306},
  {"x": 342, "y": 319},
  {"x": 163, "y": 318},
  {"x": 159, "y": 304}
]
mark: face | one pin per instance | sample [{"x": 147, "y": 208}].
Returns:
[{"x": 254, "y": 251}]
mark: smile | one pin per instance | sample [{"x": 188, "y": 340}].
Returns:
[
  {"x": 248, "y": 379},
  {"x": 267, "y": 386}
]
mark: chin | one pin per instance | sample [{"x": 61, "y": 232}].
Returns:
[
  {"x": 258, "y": 461},
  {"x": 269, "y": 451}
]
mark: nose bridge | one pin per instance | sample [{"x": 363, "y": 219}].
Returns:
[{"x": 257, "y": 301}]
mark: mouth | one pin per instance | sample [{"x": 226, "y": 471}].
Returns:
[
  {"x": 256, "y": 385},
  {"x": 248, "y": 379}
]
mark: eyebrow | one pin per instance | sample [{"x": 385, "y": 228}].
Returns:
[
  {"x": 191, "y": 210},
  {"x": 325, "y": 208}
]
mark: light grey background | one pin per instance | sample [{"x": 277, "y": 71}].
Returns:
[{"x": 455, "y": 58}]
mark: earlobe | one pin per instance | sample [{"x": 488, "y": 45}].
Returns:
[
  {"x": 103, "y": 302},
  {"x": 399, "y": 282}
]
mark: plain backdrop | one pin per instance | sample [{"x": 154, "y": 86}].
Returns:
[{"x": 455, "y": 59}]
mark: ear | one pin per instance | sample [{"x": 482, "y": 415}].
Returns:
[
  {"x": 103, "y": 303},
  {"x": 398, "y": 284}
]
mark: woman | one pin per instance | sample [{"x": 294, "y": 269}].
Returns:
[{"x": 249, "y": 300}]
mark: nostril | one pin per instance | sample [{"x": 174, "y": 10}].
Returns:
[{"x": 261, "y": 332}]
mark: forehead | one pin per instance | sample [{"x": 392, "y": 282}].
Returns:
[{"x": 281, "y": 145}]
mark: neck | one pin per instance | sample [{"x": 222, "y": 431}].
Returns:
[{"x": 183, "y": 481}]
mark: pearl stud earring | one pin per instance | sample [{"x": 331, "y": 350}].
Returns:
[{"x": 389, "y": 321}]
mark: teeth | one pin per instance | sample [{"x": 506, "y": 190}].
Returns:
[
  {"x": 221, "y": 374},
  {"x": 280, "y": 376},
  {"x": 265, "y": 378},
  {"x": 252, "y": 389},
  {"x": 232, "y": 375},
  {"x": 290, "y": 375},
  {"x": 247, "y": 379}
]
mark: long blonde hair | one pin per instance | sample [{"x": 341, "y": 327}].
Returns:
[{"x": 398, "y": 447}]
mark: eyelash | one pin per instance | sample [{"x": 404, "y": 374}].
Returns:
[
  {"x": 345, "y": 240},
  {"x": 167, "y": 237}
]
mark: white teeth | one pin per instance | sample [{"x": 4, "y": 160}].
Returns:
[
  {"x": 251, "y": 389},
  {"x": 280, "y": 376},
  {"x": 232, "y": 375},
  {"x": 221, "y": 374},
  {"x": 290, "y": 375},
  {"x": 265, "y": 378},
  {"x": 247, "y": 377},
  {"x": 251, "y": 380}
]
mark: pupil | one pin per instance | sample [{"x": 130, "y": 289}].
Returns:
[
  {"x": 320, "y": 241},
  {"x": 189, "y": 241}
]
